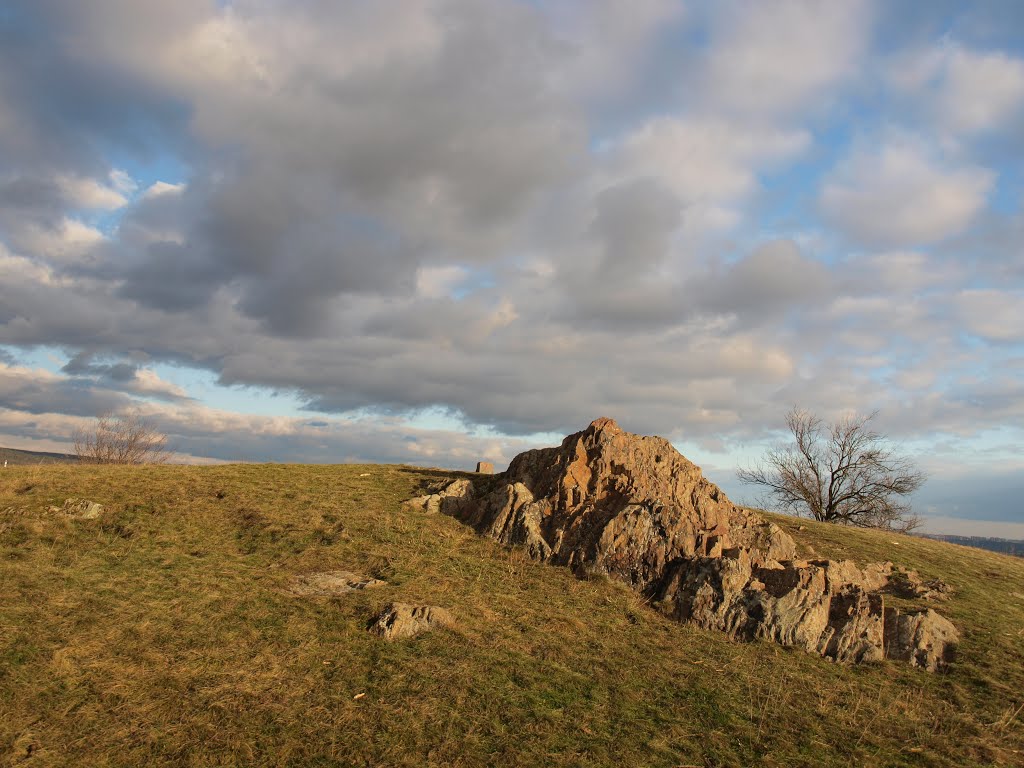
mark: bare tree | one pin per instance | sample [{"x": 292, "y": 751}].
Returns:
[
  {"x": 121, "y": 439},
  {"x": 842, "y": 472}
]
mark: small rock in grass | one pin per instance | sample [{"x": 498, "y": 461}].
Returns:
[
  {"x": 83, "y": 509},
  {"x": 400, "y": 620},
  {"x": 331, "y": 583}
]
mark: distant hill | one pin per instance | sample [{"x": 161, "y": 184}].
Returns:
[
  {"x": 1006, "y": 546},
  {"x": 13, "y": 457}
]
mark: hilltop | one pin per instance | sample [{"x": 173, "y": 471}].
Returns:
[
  {"x": 14, "y": 456},
  {"x": 164, "y": 632}
]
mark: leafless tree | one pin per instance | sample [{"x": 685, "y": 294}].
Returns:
[
  {"x": 121, "y": 439},
  {"x": 842, "y": 473}
]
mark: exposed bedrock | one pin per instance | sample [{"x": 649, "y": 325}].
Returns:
[{"x": 632, "y": 507}]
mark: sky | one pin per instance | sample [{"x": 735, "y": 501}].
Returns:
[{"x": 443, "y": 231}]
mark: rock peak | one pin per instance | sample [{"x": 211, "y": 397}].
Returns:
[{"x": 604, "y": 424}]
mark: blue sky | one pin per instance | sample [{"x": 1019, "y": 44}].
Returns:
[{"x": 437, "y": 231}]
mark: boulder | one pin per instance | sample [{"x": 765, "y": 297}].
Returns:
[
  {"x": 922, "y": 638},
  {"x": 633, "y": 508},
  {"x": 400, "y": 620}
]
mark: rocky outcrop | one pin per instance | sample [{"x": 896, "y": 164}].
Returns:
[
  {"x": 399, "y": 620},
  {"x": 910, "y": 585},
  {"x": 633, "y": 508},
  {"x": 451, "y": 497}
]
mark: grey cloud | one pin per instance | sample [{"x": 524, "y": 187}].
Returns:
[
  {"x": 66, "y": 396},
  {"x": 773, "y": 279},
  {"x": 67, "y": 106}
]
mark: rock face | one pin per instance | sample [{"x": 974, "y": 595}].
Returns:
[
  {"x": 633, "y": 508},
  {"x": 399, "y": 620}
]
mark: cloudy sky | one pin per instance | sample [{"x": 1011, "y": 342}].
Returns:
[{"x": 436, "y": 231}]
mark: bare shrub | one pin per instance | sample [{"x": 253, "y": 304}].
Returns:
[{"x": 121, "y": 439}]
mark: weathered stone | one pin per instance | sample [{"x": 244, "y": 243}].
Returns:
[
  {"x": 399, "y": 620},
  {"x": 450, "y": 498},
  {"x": 910, "y": 585},
  {"x": 485, "y": 468},
  {"x": 633, "y": 508},
  {"x": 331, "y": 583},
  {"x": 83, "y": 509},
  {"x": 922, "y": 638}
]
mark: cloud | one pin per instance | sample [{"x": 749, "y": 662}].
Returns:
[
  {"x": 775, "y": 278},
  {"x": 196, "y": 431},
  {"x": 993, "y": 314},
  {"x": 706, "y": 159},
  {"x": 899, "y": 195},
  {"x": 968, "y": 91},
  {"x": 773, "y": 58}
]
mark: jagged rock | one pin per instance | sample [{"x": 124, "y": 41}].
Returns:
[
  {"x": 909, "y": 584},
  {"x": 923, "y": 638},
  {"x": 400, "y": 620},
  {"x": 83, "y": 509},
  {"x": 633, "y": 508},
  {"x": 331, "y": 583},
  {"x": 618, "y": 503},
  {"x": 450, "y": 497},
  {"x": 484, "y": 468}
]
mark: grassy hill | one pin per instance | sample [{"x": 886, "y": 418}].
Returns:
[
  {"x": 163, "y": 633},
  {"x": 14, "y": 457}
]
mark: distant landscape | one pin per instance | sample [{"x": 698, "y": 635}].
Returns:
[
  {"x": 13, "y": 456},
  {"x": 992, "y": 544}
]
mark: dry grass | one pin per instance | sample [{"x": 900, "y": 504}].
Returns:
[{"x": 163, "y": 633}]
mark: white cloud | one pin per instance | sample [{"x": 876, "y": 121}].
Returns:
[
  {"x": 160, "y": 188},
  {"x": 148, "y": 382},
  {"x": 982, "y": 90},
  {"x": 775, "y": 57},
  {"x": 993, "y": 314},
  {"x": 901, "y": 196},
  {"x": 967, "y": 91},
  {"x": 710, "y": 164},
  {"x": 91, "y": 194},
  {"x": 70, "y": 240}
]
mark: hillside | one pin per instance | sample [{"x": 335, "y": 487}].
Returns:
[
  {"x": 14, "y": 456},
  {"x": 163, "y": 632}
]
